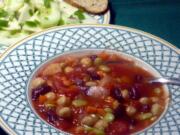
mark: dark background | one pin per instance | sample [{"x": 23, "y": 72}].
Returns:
[{"x": 158, "y": 17}]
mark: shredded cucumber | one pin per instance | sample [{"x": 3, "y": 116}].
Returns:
[
  {"x": 24, "y": 13},
  {"x": 13, "y": 25},
  {"x": 49, "y": 16},
  {"x": 37, "y": 3},
  {"x": 13, "y": 5},
  {"x": 19, "y": 18}
]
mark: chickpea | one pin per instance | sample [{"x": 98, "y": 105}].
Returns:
[
  {"x": 145, "y": 116},
  {"x": 101, "y": 124},
  {"x": 156, "y": 109},
  {"x": 52, "y": 69},
  {"x": 68, "y": 69},
  {"x": 153, "y": 118},
  {"x": 37, "y": 82},
  {"x": 91, "y": 83},
  {"x": 63, "y": 101},
  {"x": 90, "y": 120},
  {"x": 66, "y": 82},
  {"x": 144, "y": 100},
  {"x": 79, "y": 102},
  {"x": 86, "y": 62},
  {"x": 154, "y": 99},
  {"x": 62, "y": 64},
  {"x": 157, "y": 91},
  {"x": 64, "y": 112},
  {"x": 50, "y": 95},
  {"x": 97, "y": 61},
  {"x": 130, "y": 110},
  {"x": 109, "y": 117},
  {"x": 104, "y": 68},
  {"x": 115, "y": 104},
  {"x": 79, "y": 129},
  {"x": 49, "y": 105},
  {"x": 108, "y": 110},
  {"x": 125, "y": 93}
]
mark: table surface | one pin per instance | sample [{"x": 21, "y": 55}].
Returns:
[{"x": 158, "y": 17}]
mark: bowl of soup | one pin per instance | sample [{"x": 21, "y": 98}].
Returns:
[{"x": 97, "y": 92}]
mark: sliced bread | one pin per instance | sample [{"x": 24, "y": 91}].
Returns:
[{"x": 91, "y": 6}]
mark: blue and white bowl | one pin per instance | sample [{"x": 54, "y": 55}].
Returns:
[{"x": 20, "y": 60}]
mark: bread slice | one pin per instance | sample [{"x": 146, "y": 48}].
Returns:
[{"x": 91, "y": 6}]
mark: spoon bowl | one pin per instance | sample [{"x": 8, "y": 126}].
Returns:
[{"x": 172, "y": 81}]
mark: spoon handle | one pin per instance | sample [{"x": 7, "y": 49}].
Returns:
[{"x": 173, "y": 81}]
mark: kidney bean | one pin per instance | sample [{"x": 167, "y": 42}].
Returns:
[
  {"x": 119, "y": 112},
  {"x": 79, "y": 82},
  {"x": 132, "y": 122},
  {"x": 40, "y": 91},
  {"x": 42, "y": 109},
  {"x": 52, "y": 117},
  {"x": 84, "y": 89},
  {"x": 145, "y": 108},
  {"x": 118, "y": 127},
  {"x": 134, "y": 93},
  {"x": 116, "y": 93},
  {"x": 138, "y": 78},
  {"x": 93, "y": 57},
  {"x": 94, "y": 75}
]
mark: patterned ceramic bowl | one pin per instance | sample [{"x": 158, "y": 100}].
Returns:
[
  {"x": 82, "y": 52},
  {"x": 19, "y": 62}
]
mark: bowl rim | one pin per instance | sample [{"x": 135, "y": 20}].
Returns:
[
  {"x": 116, "y": 27},
  {"x": 111, "y": 26},
  {"x": 146, "y": 66}
]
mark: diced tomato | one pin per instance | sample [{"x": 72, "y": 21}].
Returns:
[
  {"x": 64, "y": 125},
  {"x": 78, "y": 130},
  {"x": 104, "y": 55},
  {"x": 136, "y": 104},
  {"x": 91, "y": 133},
  {"x": 57, "y": 84},
  {"x": 101, "y": 111},
  {"x": 42, "y": 99},
  {"x": 91, "y": 109},
  {"x": 118, "y": 127},
  {"x": 72, "y": 91}
]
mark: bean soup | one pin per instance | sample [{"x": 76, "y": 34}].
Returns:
[{"x": 96, "y": 94}]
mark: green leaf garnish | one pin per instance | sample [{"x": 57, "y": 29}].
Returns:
[
  {"x": 3, "y": 23},
  {"x": 47, "y": 3},
  {"x": 61, "y": 22},
  {"x": 32, "y": 23},
  {"x": 46, "y": 18},
  {"x": 31, "y": 12},
  {"x": 27, "y": 1},
  {"x": 3, "y": 13},
  {"x": 13, "y": 32},
  {"x": 80, "y": 14}
]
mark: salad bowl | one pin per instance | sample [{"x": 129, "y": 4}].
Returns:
[{"x": 20, "y": 19}]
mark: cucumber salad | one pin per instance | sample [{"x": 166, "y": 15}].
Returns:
[{"x": 19, "y": 18}]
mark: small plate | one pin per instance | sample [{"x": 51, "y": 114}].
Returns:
[{"x": 19, "y": 61}]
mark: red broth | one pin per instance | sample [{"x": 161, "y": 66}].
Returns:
[{"x": 96, "y": 94}]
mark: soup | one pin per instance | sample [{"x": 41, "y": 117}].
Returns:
[{"x": 96, "y": 94}]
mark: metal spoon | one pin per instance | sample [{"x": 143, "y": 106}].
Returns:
[{"x": 173, "y": 81}]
